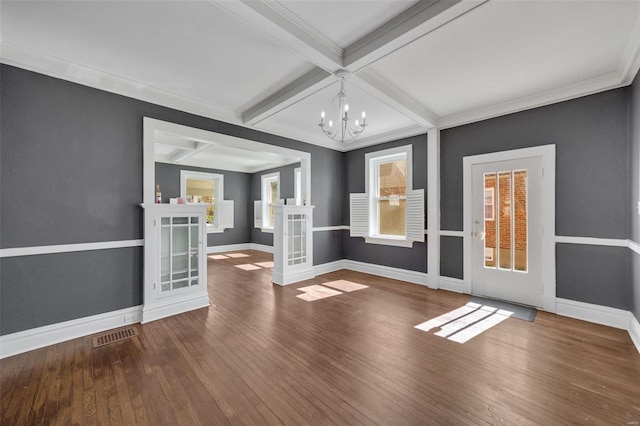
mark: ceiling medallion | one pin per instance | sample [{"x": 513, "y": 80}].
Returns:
[{"x": 342, "y": 131}]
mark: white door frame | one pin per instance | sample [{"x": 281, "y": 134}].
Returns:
[{"x": 548, "y": 154}]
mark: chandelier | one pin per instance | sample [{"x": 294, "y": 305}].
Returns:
[{"x": 343, "y": 131}]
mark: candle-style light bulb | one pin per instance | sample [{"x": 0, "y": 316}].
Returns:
[
  {"x": 357, "y": 123},
  {"x": 346, "y": 107},
  {"x": 364, "y": 115},
  {"x": 322, "y": 115},
  {"x": 330, "y": 123}
]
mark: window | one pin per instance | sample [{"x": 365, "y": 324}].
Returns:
[
  {"x": 270, "y": 194},
  {"x": 390, "y": 212},
  {"x": 208, "y": 188}
]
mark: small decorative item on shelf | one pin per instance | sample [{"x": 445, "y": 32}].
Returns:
[{"x": 158, "y": 195}]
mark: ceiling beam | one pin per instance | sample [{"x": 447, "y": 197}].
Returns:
[
  {"x": 297, "y": 90},
  {"x": 275, "y": 20},
  {"x": 414, "y": 23}
]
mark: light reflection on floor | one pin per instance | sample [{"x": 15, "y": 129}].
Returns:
[
  {"x": 317, "y": 292},
  {"x": 234, "y": 255},
  {"x": 465, "y": 323},
  {"x": 248, "y": 267}
]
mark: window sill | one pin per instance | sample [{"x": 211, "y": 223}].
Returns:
[
  {"x": 389, "y": 241},
  {"x": 267, "y": 230}
]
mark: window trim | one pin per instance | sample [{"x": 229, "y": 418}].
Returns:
[
  {"x": 372, "y": 159},
  {"x": 297, "y": 185},
  {"x": 218, "y": 191},
  {"x": 264, "y": 191}
]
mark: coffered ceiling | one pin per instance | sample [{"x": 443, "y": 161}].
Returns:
[{"x": 269, "y": 65}]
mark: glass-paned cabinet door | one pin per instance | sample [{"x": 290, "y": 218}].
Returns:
[
  {"x": 179, "y": 257},
  {"x": 297, "y": 239}
]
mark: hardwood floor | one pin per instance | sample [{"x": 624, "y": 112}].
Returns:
[{"x": 260, "y": 355}]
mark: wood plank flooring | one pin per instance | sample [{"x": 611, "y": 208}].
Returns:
[{"x": 259, "y": 355}]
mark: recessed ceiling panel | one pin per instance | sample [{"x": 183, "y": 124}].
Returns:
[
  {"x": 506, "y": 50},
  {"x": 191, "y": 48},
  {"x": 345, "y": 22},
  {"x": 303, "y": 117}
]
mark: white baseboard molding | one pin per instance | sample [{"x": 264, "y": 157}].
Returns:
[
  {"x": 228, "y": 247},
  {"x": 604, "y": 315},
  {"x": 326, "y": 268},
  {"x": 262, "y": 247},
  {"x": 634, "y": 331},
  {"x": 387, "y": 272},
  {"x": 238, "y": 247},
  {"x": 281, "y": 279},
  {"x": 174, "y": 306},
  {"x": 452, "y": 284},
  {"x": 35, "y": 338}
]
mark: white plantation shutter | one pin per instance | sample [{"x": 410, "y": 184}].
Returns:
[
  {"x": 359, "y": 215},
  {"x": 257, "y": 214},
  {"x": 225, "y": 214},
  {"x": 415, "y": 215}
]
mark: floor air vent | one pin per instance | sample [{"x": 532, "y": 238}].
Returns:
[{"x": 114, "y": 336}]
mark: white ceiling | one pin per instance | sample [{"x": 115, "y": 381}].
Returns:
[{"x": 269, "y": 65}]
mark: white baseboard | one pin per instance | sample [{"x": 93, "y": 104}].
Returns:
[
  {"x": 452, "y": 284},
  {"x": 35, "y": 338},
  {"x": 634, "y": 331},
  {"x": 262, "y": 247},
  {"x": 238, "y": 247},
  {"x": 228, "y": 247},
  {"x": 612, "y": 317},
  {"x": 387, "y": 272},
  {"x": 174, "y": 306},
  {"x": 326, "y": 268},
  {"x": 281, "y": 279}
]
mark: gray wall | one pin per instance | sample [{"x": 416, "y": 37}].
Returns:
[
  {"x": 634, "y": 197},
  {"x": 71, "y": 172},
  {"x": 592, "y": 183},
  {"x": 236, "y": 187},
  {"x": 354, "y": 176}
]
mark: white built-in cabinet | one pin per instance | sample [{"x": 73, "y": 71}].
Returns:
[
  {"x": 292, "y": 244},
  {"x": 175, "y": 273}
]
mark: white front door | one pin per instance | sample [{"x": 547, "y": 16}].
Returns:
[{"x": 507, "y": 230}]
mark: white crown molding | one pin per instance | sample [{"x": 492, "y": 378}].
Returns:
[
  {"x": 393, "y": 135},
  {"x": 32, "y": 60},
  {"x": 28, "y": 340},
  {"x": 68, "y": 248},
  {"x": 630, "y": 63},
  {"x": 598, "y": 84}
]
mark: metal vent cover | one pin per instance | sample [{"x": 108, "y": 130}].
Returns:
[{"x": 114, "y": 336}]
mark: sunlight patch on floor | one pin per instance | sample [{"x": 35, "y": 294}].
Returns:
[
  {"x": 465, "y": 323},
  {"x": 316, "y": 292},
  {"x": 264, "y": 264},
  {"x": 248, "y": 267},
  {"x": 217, "y": 256},
  {"x": 345, "y": 285},
  {"x": 234, "y": 255}
]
